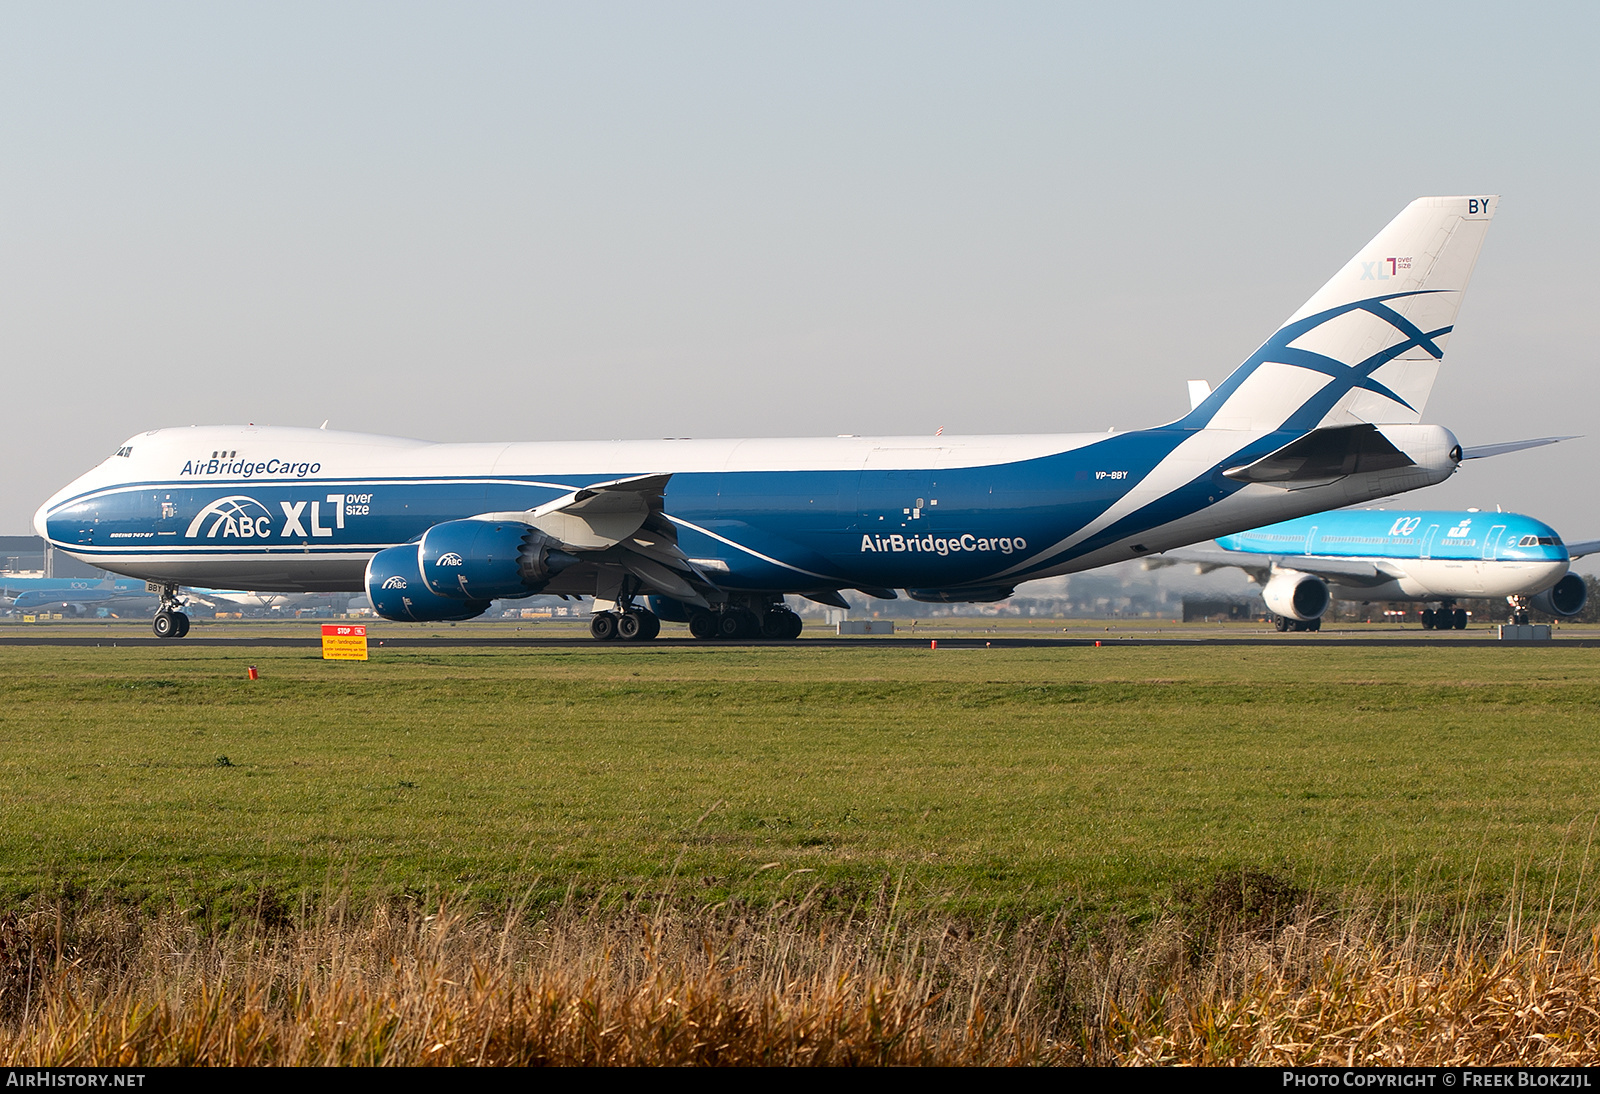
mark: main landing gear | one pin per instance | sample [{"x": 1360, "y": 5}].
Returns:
[
  {"x": 1283, "y": 623},
  {"x": 630, "y": 625},
  {"x": 766, "y": 621},
  {"x": 744, "y": 617},
  {"x": 170, "y": 621},
  {"x": 1445, "y": 618}
]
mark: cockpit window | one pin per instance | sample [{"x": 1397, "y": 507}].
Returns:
[
  {"x": 1539, "y": 541},
  {"x": 125, "y": 450},
  {"x": 1528, "y": 541}
]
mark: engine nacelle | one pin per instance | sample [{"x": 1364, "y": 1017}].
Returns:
[
  {"x": 488, "y": 559},
  {"x": 1565, "y": 597},
  {"x": 1297, "y": 596},
  {"x": 396, "y": 589}
]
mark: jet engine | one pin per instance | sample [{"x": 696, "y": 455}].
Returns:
[
  {"x": 488, "y": 559},
  {"x": 396, "y": 589},
  {"x": 1565, "y": 597},
  {"x": 1297, "y": 596}
]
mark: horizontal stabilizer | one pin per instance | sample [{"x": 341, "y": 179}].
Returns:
[
  {"x": 1322, "y": 456},
  {"x": 1482, "y": 451}
]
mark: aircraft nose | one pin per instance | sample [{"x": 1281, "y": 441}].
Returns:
[{"x": 39, "y": 521}]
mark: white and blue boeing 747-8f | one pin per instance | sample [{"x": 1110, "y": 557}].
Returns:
[
  {"x": 1386, "y": 555},
  {"x": 715, "y": 532}
]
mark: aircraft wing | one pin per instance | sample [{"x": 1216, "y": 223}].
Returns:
[
  {"x": 1587, "y": 547},
  {"x": 1344, "y": 571},
  {"x": 1206, "y": 559},
  {"x": 619, "y": 529}
]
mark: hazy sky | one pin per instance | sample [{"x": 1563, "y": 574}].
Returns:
[{"x": 480, "y": 221}]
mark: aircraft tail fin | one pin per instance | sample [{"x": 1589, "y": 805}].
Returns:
[{"x": 1367, "y": 345}]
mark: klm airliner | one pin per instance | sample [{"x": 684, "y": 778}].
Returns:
[
  {"x": 714, "y": 533},
  {"x": 72, "y": 595},
  {"x": 1386, "y": 555}
]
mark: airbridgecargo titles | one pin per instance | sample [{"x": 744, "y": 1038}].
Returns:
[
  {"x": 244, "y": 469},
  {"x": 714, "y": 533},
  {"x": 943, "y": 545}
]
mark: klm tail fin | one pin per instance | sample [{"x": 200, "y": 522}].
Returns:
[{"x": 1367, "y": 346}]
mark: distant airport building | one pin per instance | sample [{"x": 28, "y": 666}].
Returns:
[
  {"x": 1212, "y": 610},
  {"x": 30, "y": 555}
]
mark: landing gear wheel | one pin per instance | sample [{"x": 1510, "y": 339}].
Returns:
[
  {"x": 603, "y": 627},
  {"x": 1314, "y": 625},
  {"x": 737, "y": 624},
  {"x": 793, "y": 625},
  {"x": 170, "y": 624},
  {"x": 638, "y": 626},
  {"x": 703, "y": 625},
  {"x": 774, "y": 626},
  {"x": 1280, "y": 623},
  {"x": 1461, "y": 619},
  {"x": 1520, "y": 619},
  {"x": 1427, "y": 619}
]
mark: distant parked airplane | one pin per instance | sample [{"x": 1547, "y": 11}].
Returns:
[
  {"x": 1393, "y": 555},
  {"x": 73, "y": 595}
]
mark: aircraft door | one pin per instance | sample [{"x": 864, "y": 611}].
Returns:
[
  {"x": 1427, "y": 541},
  {"x": 1311, "y": 540},
  {"x": 1491, "y": 542}
]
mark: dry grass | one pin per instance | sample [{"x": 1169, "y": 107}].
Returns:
[{"x": 630, "y": 983}]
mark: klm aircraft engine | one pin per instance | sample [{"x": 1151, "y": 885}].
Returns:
[
  {"x": 1296, "y": 597},
  {"x": 458, "y": 567},
  {"x": 1565, "y": 597}
]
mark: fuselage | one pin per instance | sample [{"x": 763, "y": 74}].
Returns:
[
  {"x": 1429, "y": 555},
  {"x": 289, "y": 509}
]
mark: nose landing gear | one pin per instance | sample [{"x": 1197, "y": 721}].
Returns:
[{"x": 170, "y": 621}]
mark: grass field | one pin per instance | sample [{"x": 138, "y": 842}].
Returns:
[{"x": 1013, "y": 780}]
